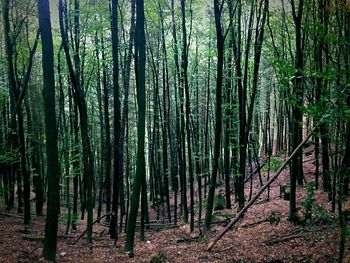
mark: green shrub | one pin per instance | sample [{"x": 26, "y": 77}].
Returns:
[
  {"x": 314, "y": 212},
  {"x": 273, "y": 164},
  {"x": 274, "y": 219},
  {"x": 309, "y": 202},
  {"x": 321, "y": 215},
  {"x": 219, "y": 202}
]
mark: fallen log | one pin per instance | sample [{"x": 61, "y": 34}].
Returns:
[{"x": 256, "y": 196}]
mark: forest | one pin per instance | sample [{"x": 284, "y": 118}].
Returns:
[{"x": 175, "y": 131}]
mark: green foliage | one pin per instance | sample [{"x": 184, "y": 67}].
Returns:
[
  {"x": 3, "y": 97},
  {"x": 321, "y": 215},
  {"x": 314, "y": 212},
  {"x": 75, "y": 218},
  {"x": 273, "y": 164},
  {"x": 63, "y": 217},
  {"x": 260, "y": 201},
  {"x": 159, "y": 257},
  {"x": 221, "y": 214},
  {"x": 10, "y": 156},
  {"x": 219, "y": 202},
  {"x": 309, "y": 202},
  {"x": 346, "y": 214},
  {"x": 274, "y": 218}
]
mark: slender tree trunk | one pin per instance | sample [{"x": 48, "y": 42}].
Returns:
[
  {"x": 184, "y": 77},
  {"x": 81, "y": 103},
  {"x": 53, "y": 198},
  {"x": 140, "y": 61},
  {"x": 126, "y": 84},
  {"x": 165, "y": 125},
  {"x": 117, "y": 177},
  {"x": 102, "y": 131},
  {"x": 107, "y": 138},
  {"x": 180, "y": 124},
  {"x": 218, "y": 121},
  {"x": 297, "y": 116}
]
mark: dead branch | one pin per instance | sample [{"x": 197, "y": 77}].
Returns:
[
  {"x": 256, "y": 196},
  {"x": 282, "y": 239},
  {"x": 188, "y": 239},
  {"x": 257, "y": 222},
  {"x": 34, "y": 238},
  {"x": 256, "y": 170},
  {"x": 10, "y": 215},
  {"x": 94, "y": 222}
]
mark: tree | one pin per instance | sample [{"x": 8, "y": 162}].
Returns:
[
  {"x": 18, "y": 83},
  {"x": 117, "y": 129},
  {"x": 296, "y": 173},
  {"x": 184, "y": 83},
  {"x": 140, "y": 62},
  {"x": 80, "y": 100},
  {"x": 180, "y": 130},
  {"x": 53, "y": 195},
  {"x": 218, "y": 112}
]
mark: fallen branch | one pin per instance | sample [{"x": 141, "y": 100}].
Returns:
[
  {"x": 256, "y": 196},
  {"x": 34, "y": 238},
  {"x": 157, "y": 227},
  {"x": 65, "y": 236},
  {"x": 10, "y": 215},
  {"x": 256, "y": 170},
  {"x": 227, "y": 248},
  {"x": 94, "y": 222},
  {"x": 282, "y": 239},
  {"x": 188, "y": 240},
  {"x": 257, "y": 222}
]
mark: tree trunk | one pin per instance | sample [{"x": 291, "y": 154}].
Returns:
[
  {"x": 218, "y": 121},
  {"x": 81, "y": 103},
  {"x": 117, "y": 177},
  {"x": 53, "y": 198},
  {"x": 140, "y": 59},
  {"x": 184, "y": 82},
  {"x": 296, "y": 173}
]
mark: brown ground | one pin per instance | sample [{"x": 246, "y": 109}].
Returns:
[{"x": 245, "y": 243}]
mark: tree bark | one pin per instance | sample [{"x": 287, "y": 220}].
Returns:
[
  {"x": 53, "y": 196},
  {"x": 140, "y": 61},
  {"x": 218, "y": 121}
]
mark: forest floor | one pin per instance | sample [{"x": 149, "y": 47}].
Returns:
[{"x": 264, "y": 234}]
